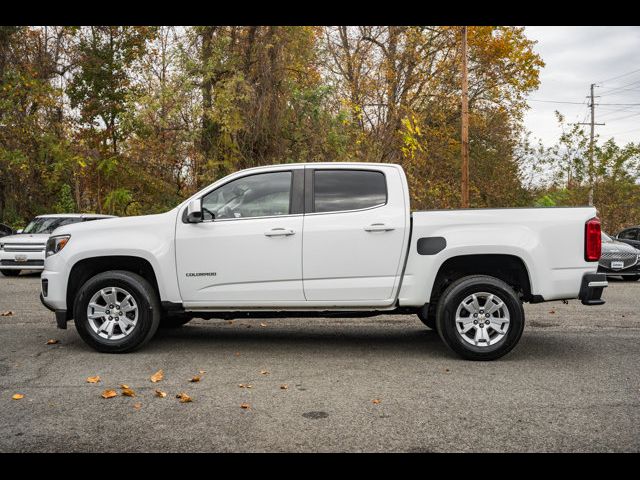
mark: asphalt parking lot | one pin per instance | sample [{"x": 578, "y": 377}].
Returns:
[{"x": 572, "y": 384}]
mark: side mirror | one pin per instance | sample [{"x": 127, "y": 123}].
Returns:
[
  {"x": 19, "y": 231},
  {"x": 194, "y": 211}
]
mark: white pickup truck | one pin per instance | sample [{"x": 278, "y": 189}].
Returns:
[{"x": 321, "y": 239}]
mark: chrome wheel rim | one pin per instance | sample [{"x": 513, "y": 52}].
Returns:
[
  {"x": 482, "y": 319},
  {"x": 112, "y": 313}
]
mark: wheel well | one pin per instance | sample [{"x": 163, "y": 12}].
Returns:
[
  {"x": 89, "y": 267},
  {"x": 508, "y": 268}
]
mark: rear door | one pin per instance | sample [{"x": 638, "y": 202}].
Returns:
[{"x": 354, "y": 234}]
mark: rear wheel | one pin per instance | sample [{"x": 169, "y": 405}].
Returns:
[
  {"x": 480, "y": 317},
  {"x": 10, "y": 273},
  {"x": 116, "y": 311}
]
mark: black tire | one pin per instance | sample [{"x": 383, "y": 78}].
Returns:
[
  {"x": 10, "y": 273},
  {"x": 453, "y": 297},
  {"x": 174, "y": 321},
  {"x": 428, "y": 316},
  {"x": 148, "y": 311},
  {"x": 630, "y": 278}
]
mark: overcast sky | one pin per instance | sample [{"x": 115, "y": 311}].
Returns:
[{"x": 575, "y": 57}]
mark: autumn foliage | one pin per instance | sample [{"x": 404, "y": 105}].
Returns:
[{"x": 132, "y": 120}]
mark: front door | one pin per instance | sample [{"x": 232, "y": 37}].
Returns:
[
  {"x": 354, "y": 233},
  {"x": 248, "y": 250}
]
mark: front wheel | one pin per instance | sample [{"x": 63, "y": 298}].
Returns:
[
  {"x": 10, "y": 273},
  {"x": 480, "y": 317},
  {"x": 116, "y": 311}
]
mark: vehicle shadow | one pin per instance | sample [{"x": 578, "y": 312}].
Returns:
[
  {"x": 357, "y": 339},
  {"x": 29, "y": 273}
]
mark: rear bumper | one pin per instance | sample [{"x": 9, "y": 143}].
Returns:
[
  {"x": 61, "y": 315},
  {"x": 591, "y": 289}
]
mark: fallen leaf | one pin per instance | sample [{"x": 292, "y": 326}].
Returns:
[
  {"x": 245, "y": 406},
  {"x": 156, "y": 377},
  {"x": 195, "y": 378},
  {"x": 52, "y": 341},
  {"x": 229, "y": 322},
  {"x": 264, "y": 372},
  {"x": 447, "y": 370},
  {"x": 262, "y": 324},
  {"x": 245, "y": 385},
  {"x": 284, "y": 386},
  {"x": 237, "y": 354},
  {"x": 17, "y": 396},
  {"x": 137, "y": 405},
  {"x": 202, "y": 372},
  {"x": 127, "y": 392},
  {"x": 8, "y": 313},
  {"x": 552, "y": 311},
  {"x": 109, "y": 394},
  {"x": 122, "y": 385},
  {"x": 375, "y": 401},
  {"x": 184, "y": 398},
  {"x": 95, "y": 379},
  {"x": 248, "y": 326},
  {"x": 161, "y": 394}
]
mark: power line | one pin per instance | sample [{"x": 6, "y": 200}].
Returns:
[
  {"x": 554, "y": 101},
  {"x": 622, "y": 104},
  {"x": 615, "y": 110},
  {"x": 619, "y": 76},
  {"x": 623, "y": 117},
  {"x": 611, "y": 91},
  {"x": 626, "y": 131},
  {"x": 579, "y": 103}
]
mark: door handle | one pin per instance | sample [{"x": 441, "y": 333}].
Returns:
[
  {"x": 279, "y": 232},
  {"x": 378, "y": 227}
]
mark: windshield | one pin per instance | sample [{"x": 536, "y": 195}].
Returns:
[
  {"x": 48, "y": 224},
  {"x": 606, "y": 238}
]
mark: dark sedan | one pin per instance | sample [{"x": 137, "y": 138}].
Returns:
[
  {"x": 619, "y": 259},
  {"x": 630, "y": 235},
  {"x": 5, "y": 230}
]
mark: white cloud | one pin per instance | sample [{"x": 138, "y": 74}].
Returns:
[{"x": 575, "y": 57}]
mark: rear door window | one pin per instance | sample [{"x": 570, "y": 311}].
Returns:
[{"x": 340, "y": 190}]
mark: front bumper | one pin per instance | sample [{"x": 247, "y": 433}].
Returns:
[
  {"x": 632, "y": 271},
  {"x": 591, "y": 289},
  {"x": 21, "y": 260},
  {"x": 61, "y": 315}
]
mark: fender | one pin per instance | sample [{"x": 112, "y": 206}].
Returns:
[{"x": 422, "y": 269}]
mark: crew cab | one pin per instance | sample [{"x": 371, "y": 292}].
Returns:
[
  {"x": 25, "y": 249},
  {"x": 321, "y": 239}
]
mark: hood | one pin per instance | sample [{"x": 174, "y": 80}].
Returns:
[
  {"x": 616, "y": 246},
  {"x": 120, "y": 224},
  {"x": 26, "y": 238}
]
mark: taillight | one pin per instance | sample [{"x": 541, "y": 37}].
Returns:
[{"x": 592, "y": 240}]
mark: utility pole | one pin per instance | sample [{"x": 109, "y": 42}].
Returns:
[
  {"x": 592, "y": 124},
  {"x": 465, "y": 123}
]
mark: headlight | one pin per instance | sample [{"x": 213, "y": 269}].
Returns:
[{"x": 55, "y": 244}]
